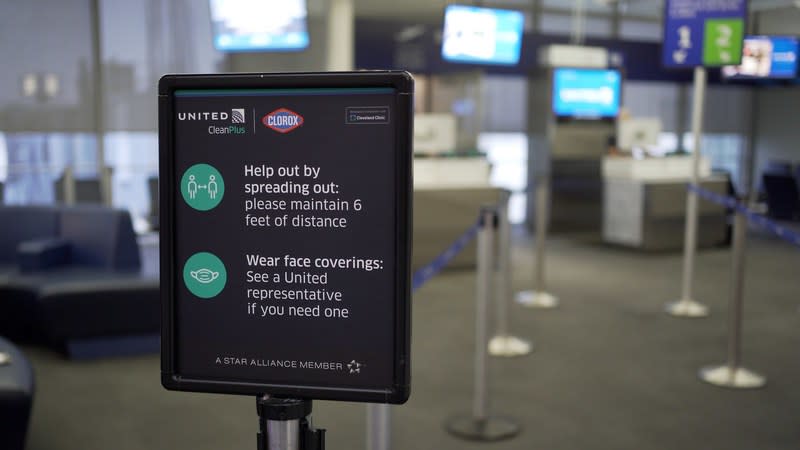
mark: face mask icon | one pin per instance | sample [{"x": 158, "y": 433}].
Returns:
[{"x": 204, "y": 276}]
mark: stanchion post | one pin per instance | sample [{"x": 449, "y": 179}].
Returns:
[
  {"x": 503, "y": 343},
  {"x": 379, "y": 426},
  {"x": 480, "y": 426},
  {"x": 539, "y": 297},
  {"x": 106, "y": 178},
  {"x": 69, "y": 186},
  {"x": 285, "y": 424},
  {"x": 732, "y": 374},
  {"x": 687, "y": 306}
]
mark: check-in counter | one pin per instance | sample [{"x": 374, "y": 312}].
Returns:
[
  {"x": 645, "y": 203},
  {"x": 448, "y": 194}
]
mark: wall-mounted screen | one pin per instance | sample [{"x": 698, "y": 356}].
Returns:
[
  {"x": 482, "y": 35},
  {"x": 259, "y": 25},
  {"x": 586, "y": 93},
  {"x": 638, "y": 132},
  {"x": 766, "y": 57}
]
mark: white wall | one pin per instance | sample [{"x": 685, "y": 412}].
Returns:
[
  {"x": 779, "y": 21},
  {"x": 777, "y": 126},
  {"x": 505, "y": 103},
  {"x": 41, "y": 36}
]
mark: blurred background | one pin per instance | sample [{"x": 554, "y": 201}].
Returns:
[{"x": 574, "y": 96}]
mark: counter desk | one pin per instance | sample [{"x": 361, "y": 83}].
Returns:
[{"x": 644, "y": 204}]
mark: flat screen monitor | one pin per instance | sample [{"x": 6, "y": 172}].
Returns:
[
  {"x": 259, "y": 25},
  {"x": 638, "y": 132},
  {"x": 586, "y": 93},
  {"x": 766, "y": 57},
  {"x": 482, "y": 35}
]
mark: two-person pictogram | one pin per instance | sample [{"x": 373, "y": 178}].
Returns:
[
  {"x": 211, "y": 187},
  {"x": 202, "y": 187}
]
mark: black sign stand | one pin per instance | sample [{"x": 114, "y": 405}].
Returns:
[
  {"x": 285, "y": 424},
  {"x": 202, "y": 119}
]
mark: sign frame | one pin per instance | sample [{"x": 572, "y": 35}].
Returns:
[
  {"x": 403, "y": 83},
  {"x": 665, "y": 32}
]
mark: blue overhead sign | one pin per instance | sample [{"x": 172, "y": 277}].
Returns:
[{"x": 703, "y": 32}]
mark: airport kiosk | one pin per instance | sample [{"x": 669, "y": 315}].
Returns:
[{"x": 572, "y": 113}]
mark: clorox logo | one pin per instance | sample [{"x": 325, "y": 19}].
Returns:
[{"x": 282, "y": 120}]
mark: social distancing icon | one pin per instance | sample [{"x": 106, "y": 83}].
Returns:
[{"x": 202, "y": 187}]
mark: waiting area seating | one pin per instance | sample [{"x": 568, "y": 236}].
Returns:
[
  {"x": 783, "y": 199},
  {"x": 70, "y": 277},
  {"x": 16, "y": 396}
]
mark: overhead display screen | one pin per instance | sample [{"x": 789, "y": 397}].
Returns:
[
  {"x": 285, "y": 245},
  {"x": 586, "y": 93},
  {"x": 259, "y": 25},
  {"x": 482, "y": 35},
  {"x": 766, "y": 57}
]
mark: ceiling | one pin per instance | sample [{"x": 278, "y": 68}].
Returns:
[{"x": 427, "y": 11}]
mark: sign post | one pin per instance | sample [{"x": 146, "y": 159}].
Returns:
[
  {"x": 503, "y": 343},
  {"x": 480, "y": 425},
  {"x": 699, "y": 35},
  {"x": 285, "y": 239},
  {"x": 732, "y": 374},
  {"x": 539, "y": 297},
  {"x": 687, "y": 306}
]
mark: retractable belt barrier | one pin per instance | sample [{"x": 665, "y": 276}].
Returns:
[
  {"x": 428, "y": 271},
  {"x": 379, "y": 415},
  {"x": 786, "y": 234},
  {"x": 480, "y": 425},
  {"x": 732, "y": 374}
]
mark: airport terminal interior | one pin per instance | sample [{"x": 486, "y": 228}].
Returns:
[{"x": 601, "y": 199}]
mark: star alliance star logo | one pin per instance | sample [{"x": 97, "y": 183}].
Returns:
[{"x": 354, "y": 367}]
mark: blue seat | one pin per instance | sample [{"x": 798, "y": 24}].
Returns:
[
  {"x": 797, "y": 175},
  {"x": 783, "y": 199},
  {"x": 86, "y": 191},
  {"x": 778, "y": 167},
  {"x": 74, "y": 275},
  {"x": 16, "y": 396},
  {"x": 24, "y": 223},
  {"x": 19, "y": 224}
]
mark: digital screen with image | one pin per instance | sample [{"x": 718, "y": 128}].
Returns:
[
  {"x": 766, "y": 57},
  {"x": 259, "y": 25},
  {"x": 586, "y": 93},
  {"x": 482, "y": 35}
]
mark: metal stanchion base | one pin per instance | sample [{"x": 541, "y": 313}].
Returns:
[
  {"x": 739, "y": 378},
  {"x": 505, "y": 345},
  {"x": 687, "y": 308},
  {"x": 537, "y": 299},
  {"x": 490, "y": 429}
]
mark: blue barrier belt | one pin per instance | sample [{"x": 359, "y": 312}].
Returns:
[
  {"x": 787, "y": 234},
  {"x": 428, "y": 271}
]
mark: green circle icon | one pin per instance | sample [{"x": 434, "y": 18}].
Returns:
[
  {"x": 204, "y": 275},
  {"x": 202, "y": 187}
]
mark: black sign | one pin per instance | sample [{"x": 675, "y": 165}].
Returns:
[{"x": 285, "y": 239}]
